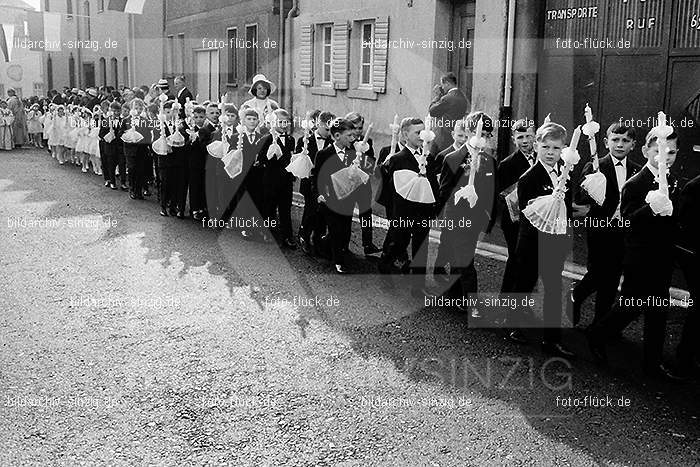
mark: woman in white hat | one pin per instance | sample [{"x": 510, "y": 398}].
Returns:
[{"x": 261, "y": 102}]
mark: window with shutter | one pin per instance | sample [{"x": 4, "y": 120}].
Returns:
[
  {"x": 306, "y": 56},
  {"x": 379, "y": 68},
  {"x": 340, "y": 55}
]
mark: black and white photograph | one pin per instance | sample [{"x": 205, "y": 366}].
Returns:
[{"x": 349, "y": 232}]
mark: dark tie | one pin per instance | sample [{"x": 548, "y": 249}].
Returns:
[
  {"x": 250, "y": 138},
  {"x": 619, "y": 164}
]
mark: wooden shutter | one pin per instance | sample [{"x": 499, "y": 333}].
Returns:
[
  {"x": 306, "y": 55},
  {"x": 341, "y": 41},
  {"x": 379, "y": 65}
]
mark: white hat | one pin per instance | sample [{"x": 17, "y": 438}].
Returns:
[
  {"x": 261, "y": 78},
  {"x": 163, "y": 83}
]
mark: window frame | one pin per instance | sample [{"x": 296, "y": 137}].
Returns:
[
  {"x": 323, "y": 59},
  {"x": 363, "y": 47},
  {"x": 69, "y": 10},
  {"x": 251, "y": 50},
  {"x": 232, "y": 64}
]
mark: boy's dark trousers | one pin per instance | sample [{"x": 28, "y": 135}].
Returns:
[
  {"x": 605, "y": 255},
  {"x": 308, "y": 217},
  {"x": 137, "y": 166},
  {"x": 279, "y": 201},
  {"x": 179, "y": 177},
  {"x": 541, "y": 255},
  {"x": 363, "y": 195},
  {"x": 104, "y": 158},
  {"x": 195, "y": 181},
  {"x": 510, "y": 233},
  {"x": 640, "y": 284},
  {"x": 417, "y": 236},
  {"x": 339, "y": 233},
  {"x": 461, "y": 247},
  {"x": 113, "y": 151},
  {"x": 689, "y": 346},
  {"x": 166, "y": 188},
  {"x": 120, "y": 162}
]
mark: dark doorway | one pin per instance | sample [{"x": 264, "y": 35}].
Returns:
[{"x": 89, "y": 74}]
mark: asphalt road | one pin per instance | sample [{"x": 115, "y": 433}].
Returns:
[{"x": 131, "y": 339}]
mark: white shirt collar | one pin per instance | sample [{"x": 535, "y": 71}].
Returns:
[
  {"x": 548, "y": 168},
  {"x": 180, "y": 91},
  {"x": 652, "y": 169},
  {"x": 615, "y": 161},
  {"x": 338, "y": 149}
]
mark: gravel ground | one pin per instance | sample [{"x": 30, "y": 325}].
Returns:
[{"x": 130, "y": 339}]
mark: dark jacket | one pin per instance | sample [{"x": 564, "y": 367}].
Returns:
[
  {"x": 689, "y": 217},
  {"x": 612, "y": 193},
  {"x": 455, "y": 175},
  {"x": 510, "y": 170},
  {"x": 533, "y": 184},
  {"x": 401, "y": 207},
  {"x": 451, "y": 107},
  {"x": 327, "y": 163},
  {"x": 649, "y": 238}
]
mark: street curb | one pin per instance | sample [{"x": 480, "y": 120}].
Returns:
[{"x": 571, "y": 270}]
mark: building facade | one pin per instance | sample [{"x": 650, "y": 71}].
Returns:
[
  {"x": 103, "y": 47},
  {"x": 382, "y": 58},
  {"x": 23, "y": 71},
  {"x": 219, "y": 45}
]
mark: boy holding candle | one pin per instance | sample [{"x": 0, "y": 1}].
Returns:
[
  {"x": 459, "y": 137},
  {"x": 647, "y": 204},
  {"x": 338, "y": 212},
  {"x": 363, "y": 194},
  {"x": 458, "y": 244},
  {"x": 541, "y": 254},
  {"x": 195, "y": 164},
  {"x": 606, "y": 245},
  {"x": 412, "y": 216},
  {"x": 510, "y": 169},
  {"x": 251, "y": 201},
  {"x": 276, "y": 153},
  {"x": 312, "y": 227}
]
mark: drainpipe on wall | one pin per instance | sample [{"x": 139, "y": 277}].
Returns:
[
  {"x": 506, "y": 113},
  {"x": 280, "y": 54},
  {"x": 288, "y": 79}
]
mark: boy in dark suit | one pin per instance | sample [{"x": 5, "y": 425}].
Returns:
[
  {"x": 166, "y": 167},
  {"x": 460, "y": 242},
  {"x": 363, "y": 194},
  {"x": 510, "y": 169},
  {"x": 207, "y": 135},
  {"x": 111, "y": 125},
  {"x": 312, "y": 227},
  {"x": 277, "y": 182},
  {"x": 385, "y": 198},
  {"x": 459, "y": 136},
  {"x": 542, "y": 254},
  {"x": 688, "y": 245},
  {"x": 229, "y": 189},
  {"x": 196, "y": 160},
  {"x": 648, "y": 261},
  {"x": 338, "y": 213},
  {"x": 135, "y": 153},
  {"x": 605, "y": 229},
  {"x": 412, "y": 219},
  {"x": 251, "y": 199}
]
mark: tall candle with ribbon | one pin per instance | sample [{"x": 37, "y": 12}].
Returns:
[{"x": 662, "y": 133}]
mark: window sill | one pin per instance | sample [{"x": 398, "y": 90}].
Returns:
[
  {"x": 323, "y": 91},
  {"x": 367, "y": 94}
]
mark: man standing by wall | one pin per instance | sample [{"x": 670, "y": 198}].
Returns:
[
  {"x": 19, "y": 126},
  {"x": 449, "y": 104}
]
